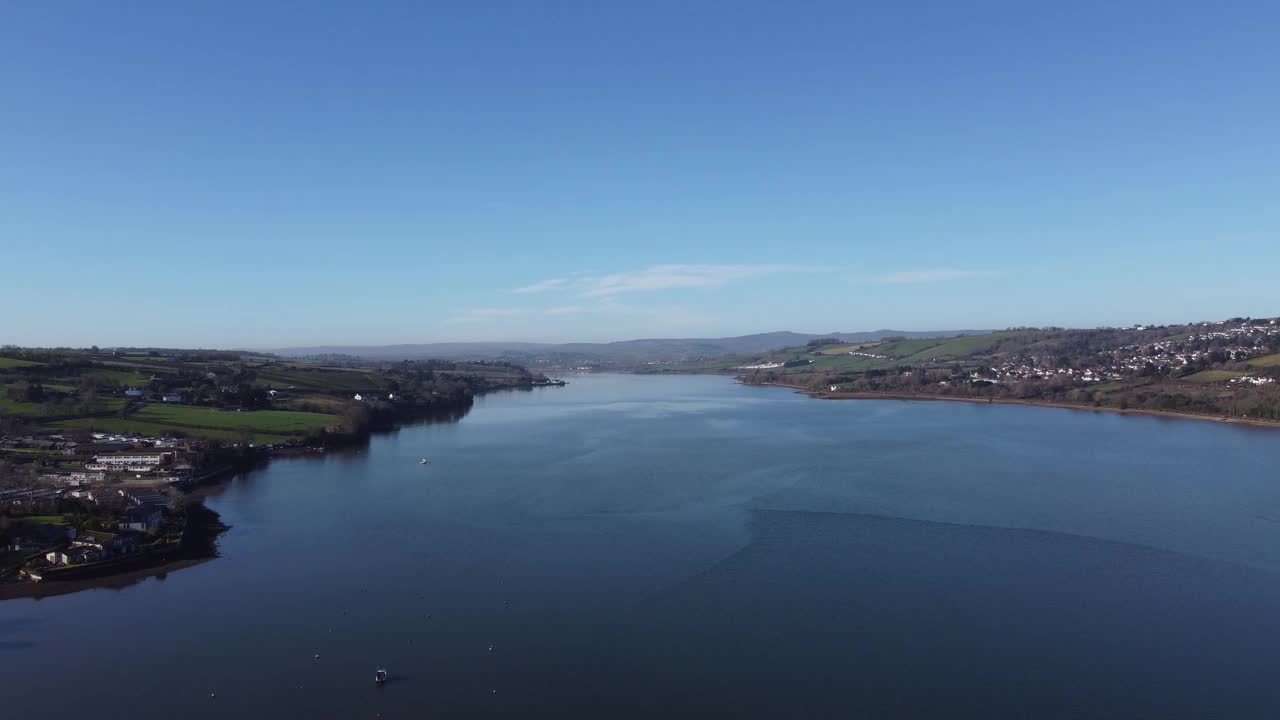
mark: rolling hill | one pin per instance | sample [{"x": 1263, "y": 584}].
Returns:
[{"x": 613, "y": 353}]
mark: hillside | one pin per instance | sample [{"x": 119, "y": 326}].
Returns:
[
  {"x": 1229, "y": 368},
  {"x": 620, "y": 354},
  {"x": 226, "y": 396}
]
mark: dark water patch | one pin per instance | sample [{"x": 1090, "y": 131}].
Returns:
[{"x": 827, "y": 614}]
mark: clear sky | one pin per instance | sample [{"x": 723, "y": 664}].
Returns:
[{"x": 230, "y": 174}]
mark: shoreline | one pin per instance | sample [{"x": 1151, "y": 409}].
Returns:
[
  {"x": 1168, "y": 414},
  {"x": 199, "y": 488},
  {"x": 115, "y": 581}
]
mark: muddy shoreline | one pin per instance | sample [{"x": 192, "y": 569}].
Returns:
[{"x": 865, "y": 395}]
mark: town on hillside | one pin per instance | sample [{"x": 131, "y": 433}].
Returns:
[{"x": 1228, "y": 368}]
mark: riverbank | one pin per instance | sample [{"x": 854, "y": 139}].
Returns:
[
  {"x": 117, "y": 581},
  {"x": 819, "y": 395},
  {"x": 203, "y": 526}
]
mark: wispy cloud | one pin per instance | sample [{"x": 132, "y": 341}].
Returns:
[
  {"x": 540, "y": 287},
  {"x": 907, "y": 277},
  {"x": 655, "y": 317},
  {"x": 488, "y": 313},
  {"x": 658, "y": 277},
  {"x": 666, "y": 277},
  {"x": 566, "y": 310}
]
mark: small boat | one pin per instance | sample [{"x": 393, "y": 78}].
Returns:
[
  {"x": 380, "y": 677},
  {"x": 423, "y": 461}
]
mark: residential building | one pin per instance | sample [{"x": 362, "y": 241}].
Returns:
[
  {"x": 150, "y": 498},
  {"x": 141, "y": 518},
  {"x": 137, "y": 458}
]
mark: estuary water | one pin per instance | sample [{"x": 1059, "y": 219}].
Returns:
[{"x": 634, "y": 546}]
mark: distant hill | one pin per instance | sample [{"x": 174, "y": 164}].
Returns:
[{"x": 613, "y": 353}]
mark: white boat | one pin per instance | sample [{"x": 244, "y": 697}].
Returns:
[
  {"x": 423, "y": 461},
  {"x": 380, "y": 676}
]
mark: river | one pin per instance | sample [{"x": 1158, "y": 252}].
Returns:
[{"x": 687, "y": 546}]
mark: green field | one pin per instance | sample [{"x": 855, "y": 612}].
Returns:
[
  {"x": 324, "y": 403},
  {"x": 334, "y": 381},
  {"x": 849, "y": 363},
  {"x": 116, "y": 425},
  {"x": 844, "y": 349},
  {"x": 23, "y": 409},
  {"x": 903, "y": 352},
  {"x": 13, "y": 407},
  {"x": 124, "y": 377},
  {"x": 1266, "y": 361},
  {"x": 44, "y": 519},
  {"x": 149, "y": 366},
  {"x": 1211, "y": 376},
  {"x": 283, "y": 422},
  {"x": 951, "y": 347},
  {"x": 15, "y": 363}
]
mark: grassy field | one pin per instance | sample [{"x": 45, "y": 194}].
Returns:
[
  {"x": 1211, "y": 376},
  {"x": 1266, "y": 361},
  {"x": 125, "y": 378},
  {"x": 957, "y": 347},
  {"x": 493, "y": 373},
  {"x": 154, "y": 365},
  {"x": 305, "y": 402},
  {"x": 116, "y": 425},
  {"x": 15, "y": 363},
  {"x": 23, "y": 409},
  {"x": 907, "y": 348},
  {"x": 13, "y": 407},
  {"x": 44, "y": 519},
  {"x": 849, "y": 363},
  {"x": 346, "y": 381},
  {"x": 845, "y": 349},
  {"x": 280, "y": 422}
]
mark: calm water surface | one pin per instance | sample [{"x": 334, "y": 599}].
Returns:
[{"x": 684, "y": 546}]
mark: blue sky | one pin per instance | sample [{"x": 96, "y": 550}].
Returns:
[{"x": 227, "y": 174}]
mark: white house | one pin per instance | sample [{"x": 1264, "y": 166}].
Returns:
[
  {"x": 367, "y": 397},
  {"x": 172, "y": 398},
  {"x": 133, "y": 459},
  {"x": 133, "y": 393},
  {"x": 74, "y": 555}
]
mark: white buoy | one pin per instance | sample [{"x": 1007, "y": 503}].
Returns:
[
  {"x": 213, "y": 695},
  {"x": 317, "y": 656}
]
